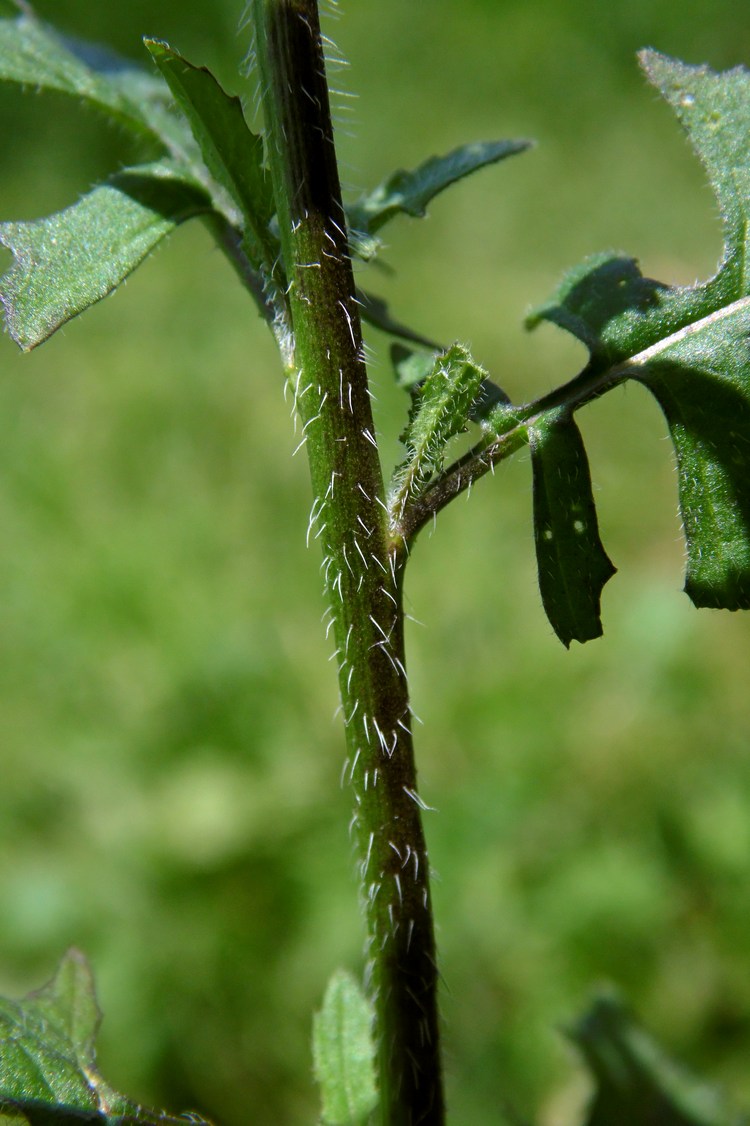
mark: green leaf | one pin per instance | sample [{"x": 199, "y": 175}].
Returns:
[
  {"x": 375, "y": 311},
  {"x": 33, "y": 55},
  {"x": 572, "y": 564},
  {"x": 68, "y": 261},
  {"x": 687, "y": 345},
  {"x": 48, "y": 1072},
  {"x": 232, "y": 153},
  {"x": 635, "y": 1082},
  {"x": 410, "y": 192},
  {"x": 343, "y": 1053},
  {"x": 441, "y": 407}
]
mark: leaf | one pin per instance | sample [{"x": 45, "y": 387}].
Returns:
[
  {"x": 441, "y": 407},
  {"x": 687, "y": 345},
  {"x": 33, "y": 55},
  {"x": 410, "y": 192},
  {"x": 572, "y": 564},
  {"x": 232, "y": 153},
  {"x": 375, "y": 311},
  {"x": 48, "y": 1073},
  {"x": 343, "y": 1053},
  {"x": 635, "y": 1082},
  {"x": 68, "y": 261}
]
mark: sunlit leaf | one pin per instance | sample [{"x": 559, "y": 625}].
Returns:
[
  {"x": 410, "y": 192},
  {"x": 68, "y": 261},
  {"x": 34, "y": 55},
  {"x": 441, "y": 407},
  {"x": 232, "y": 153}
]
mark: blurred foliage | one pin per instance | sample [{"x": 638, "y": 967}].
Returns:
[{"x": 170, "y": 797}]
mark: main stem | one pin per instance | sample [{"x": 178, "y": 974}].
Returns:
[{"x": 363, "y": 566}]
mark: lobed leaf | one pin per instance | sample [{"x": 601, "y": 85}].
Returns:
[
  {"x": 410, "y": 192},
  {"x": 687, "y": 345},
  {"x": 232, "y": 153},
  {"x": 68, "y": 261},
  {"x": 635, "y": 1081},
  {"x": 572, "y": 564},
  {"x": 441, "y": 408},
  {"x": 48, "y": 1072},
  {"x": 343, "y": 1053}
]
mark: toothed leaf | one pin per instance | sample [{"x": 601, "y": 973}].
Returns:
[
  {"x": 635, "y": 1081},
  {"x": 343, "y": 1053},
  {"x": 688, "y": 345},
  {"x": 232, "y": 153},
  {"x": 68, "y": 261},
  {"x": 571, "y": 561},
  {"x": 440, "y": 410},
  {"x": 410, "y": 192},
  {"x": 48, "y": 1071}
]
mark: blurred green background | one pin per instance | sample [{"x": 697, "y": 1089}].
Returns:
[{"x": 169, "y": 795}]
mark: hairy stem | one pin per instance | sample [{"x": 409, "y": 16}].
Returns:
[{"x": 362, "y": 566}]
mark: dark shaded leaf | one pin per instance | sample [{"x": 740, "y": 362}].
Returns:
[
  {"x": 688, "y": 345},
  {"x": 571, "y": 561},
  {"x": 636, "y": 1084}
]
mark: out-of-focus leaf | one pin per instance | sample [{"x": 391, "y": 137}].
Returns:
[
  {"x": 48, "y": 1072},
  {"x": 232, "y": 153},
  {"x": 68, "y": 261},
  {"x": 375, "y": 311},
  {"x": 410, "y": 192},
  {"x": 688, "y": 345},
  {"x": 440, "y": 410},
  {"x": 636, "y": 1084},
  {"x": 343, "y": 1053},
  {"x": 571, "y": 561}
]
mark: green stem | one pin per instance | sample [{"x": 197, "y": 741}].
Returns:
[{"x": 363, "y": 567}]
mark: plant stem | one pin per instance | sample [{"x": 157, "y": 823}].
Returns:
[{"x": 363, "y": 567}]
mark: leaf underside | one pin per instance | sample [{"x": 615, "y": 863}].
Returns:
[
  {"x": 48, "y": 1072},
  {"x": 688, "y": 345}
]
